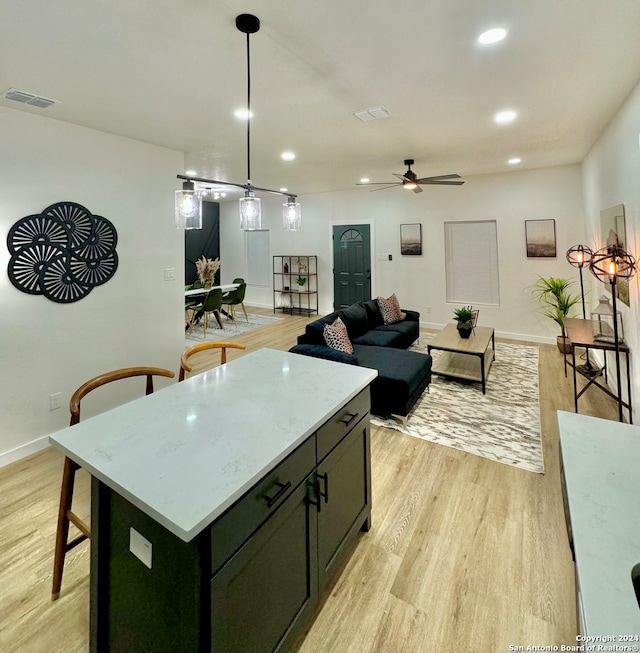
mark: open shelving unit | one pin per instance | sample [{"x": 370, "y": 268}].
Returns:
[{"x": 295, "y": 284}]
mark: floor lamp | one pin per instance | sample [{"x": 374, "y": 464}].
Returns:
[
  {"x": 578, "y": 256},
  {"x": 610, "y": 264}
]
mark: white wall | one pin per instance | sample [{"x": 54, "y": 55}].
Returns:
[
  {"x": 133, "y": 319},
  {"x": 611, "y": 175},
  {"x": 419, "y": 282}
]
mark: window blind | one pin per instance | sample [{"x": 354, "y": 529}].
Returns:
[{"x": 471, "y": 262}]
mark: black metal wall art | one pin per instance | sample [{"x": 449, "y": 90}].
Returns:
[{"x": 62, "y": 253}]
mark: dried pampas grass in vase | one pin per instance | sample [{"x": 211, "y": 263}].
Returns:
[{"x": 207, "y": 269}]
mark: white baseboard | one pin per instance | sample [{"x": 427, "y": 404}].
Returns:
[
  {"x": 543, "y": 340},
  {"x": 24, "y": 450}
]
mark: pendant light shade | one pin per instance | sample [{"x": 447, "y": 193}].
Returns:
[
  {"x": 250, "y": 213},
  {"x": 188, "y": 207},
  {"x": 291, "y": 215}
]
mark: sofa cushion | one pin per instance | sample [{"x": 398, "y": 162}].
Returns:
[
  {"x": 402, "y": 378},
  {"x": 390, "y": 309},
  {"x": 409, "y": 331},
  {"x": 355, "y": 319},
  {"x": 337, "y": 337},
  {"x": 379, "y": 338},
  {"x": 326, "y": 352},
  {"x": 374, "y": 316},
  {"x": 314, "y": 331}
]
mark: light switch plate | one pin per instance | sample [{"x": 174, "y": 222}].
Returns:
[{"x": 140, "y": 547}]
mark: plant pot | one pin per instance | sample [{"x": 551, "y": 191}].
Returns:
[
  {"x": 465, "y": 329},
  {"x": 564, "y": 345}
]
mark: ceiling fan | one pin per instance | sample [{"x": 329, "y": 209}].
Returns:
[{"x": 410, "y": 181}]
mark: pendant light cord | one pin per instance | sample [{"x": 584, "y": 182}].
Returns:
[{"x": 248, "y": 112}]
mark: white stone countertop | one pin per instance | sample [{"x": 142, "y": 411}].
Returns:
[
  {"x": 185, "y": 453},
  {"x": 601, "y": 459}
]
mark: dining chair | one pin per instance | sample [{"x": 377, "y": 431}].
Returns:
[
  {"x": 190, "y": 306},
  {"x": 212, "y": 304},
  {"x": 65, "y": 514},
  {"x": 202, "y": 346},
  {"x": 237, "y": 299}
]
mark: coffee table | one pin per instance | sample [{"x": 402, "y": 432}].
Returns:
[{"x": 464, "y": 358}]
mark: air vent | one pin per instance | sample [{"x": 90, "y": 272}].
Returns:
[
  {"x": 375, "y": 113},
  {"x": 29, "y": 98}
]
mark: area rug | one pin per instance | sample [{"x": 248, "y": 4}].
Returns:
[
  {"x": 503, "y": 425},
  {"x": 231, "y": 327}
]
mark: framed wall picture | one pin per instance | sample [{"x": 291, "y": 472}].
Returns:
[
  {"x": 540, "y": 237},
  {"x": 614, "y": 232},
  {"x": 411, "y": 239}
]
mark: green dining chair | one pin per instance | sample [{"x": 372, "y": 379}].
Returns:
[
  {"x": 212, "y": 304},
  {"x": 236, "y": 299}
]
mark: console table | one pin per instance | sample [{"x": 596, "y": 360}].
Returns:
[
  {"x": 580, "y": 334},
  {"x": 223, "y": 506}
]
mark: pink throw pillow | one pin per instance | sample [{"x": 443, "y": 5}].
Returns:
[
  {"x": 390, "y": 309},
  {"x": 336, "y": 336}
]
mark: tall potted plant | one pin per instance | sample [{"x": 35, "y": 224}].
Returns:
[{"x": 556, "y": 301}]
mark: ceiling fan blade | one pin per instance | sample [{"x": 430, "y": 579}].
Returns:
[
  {"x": 395, "y": 174},
  {"x": 384, "y": 187},
  {"x": 441, "y": 183},
  {"x": 377, "y": 183},
  {"x": 438, "y": 177},
  {"x": 417, "y": 189}
]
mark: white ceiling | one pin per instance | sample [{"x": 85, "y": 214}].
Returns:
[{"x": 172, "y": 73}]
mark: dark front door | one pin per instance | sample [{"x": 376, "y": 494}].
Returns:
[{"x": 351, "y": 264}]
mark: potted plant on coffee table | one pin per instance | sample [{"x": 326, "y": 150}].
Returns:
[
  {"x": 556, "y": 301},
  {"x": 464, "y": 317}
]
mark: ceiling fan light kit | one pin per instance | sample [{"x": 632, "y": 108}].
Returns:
[
  {"x": 249, "y": 205},
  {"x": 410, "y": 181}
]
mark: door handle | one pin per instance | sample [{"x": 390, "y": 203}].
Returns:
[
  {"x": 349, "y": 418},
  {"x": 325, "y": 494},
  {"x": 282, "y": 489}
]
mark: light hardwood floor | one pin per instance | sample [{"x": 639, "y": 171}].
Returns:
[{"x": 464, "y": 555}]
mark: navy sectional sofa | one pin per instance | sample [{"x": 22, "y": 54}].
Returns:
[{"x": 402, "y": 375}]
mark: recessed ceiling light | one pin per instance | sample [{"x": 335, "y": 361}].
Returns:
[
  {"x": 514, "y": 161},
  {"x": 284, "y": 190},
  {"x": 191, "y": 173},
  {"x": 492, "y": 36},
  {"x": 365, "y": 180},
  {"x": 287, "y": 156},
  {"x": 243, "y": 114},
  {"x": 504, "y": 117}
]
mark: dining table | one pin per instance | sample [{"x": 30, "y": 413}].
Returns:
[{"x": 202, "y": 292}]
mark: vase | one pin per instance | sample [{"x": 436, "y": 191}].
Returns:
[
  {"x": 207, "y": 285},
  {"x": 465, "y": 329}
]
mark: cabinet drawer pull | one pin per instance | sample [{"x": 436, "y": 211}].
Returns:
[
  {"x": 282, "y": 488},
  {"x": 325, "y": 494},
  {"x": 349, "y": 418}
]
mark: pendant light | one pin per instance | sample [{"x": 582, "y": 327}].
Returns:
[
  {"x": 250, "y": 211},
  {"x": 188, "y": 207},
  {"x": 249, "y": 205},
  {"x": 291, "y": 215}
]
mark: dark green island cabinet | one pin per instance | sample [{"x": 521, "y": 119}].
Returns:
[{"x": 252, "y": 579}]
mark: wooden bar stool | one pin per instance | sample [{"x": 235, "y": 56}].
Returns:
[
  {"x": 65, "y": 514},
  {"x": 184, "y": 365}
]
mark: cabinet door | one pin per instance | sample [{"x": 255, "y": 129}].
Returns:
[
  {"x": 268, "y": 589},
  {"x": 344, "y": 482}
]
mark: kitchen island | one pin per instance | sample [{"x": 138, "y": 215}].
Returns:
[
  {"x": 601, "y": 488},
  {"x": 223, "y": 506}
]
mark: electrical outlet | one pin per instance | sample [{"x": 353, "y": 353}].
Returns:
[
  {"x": 141, "y": 547},
  {"x": 170, "y": 274},
  {"x": 55, "y": 401}
]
